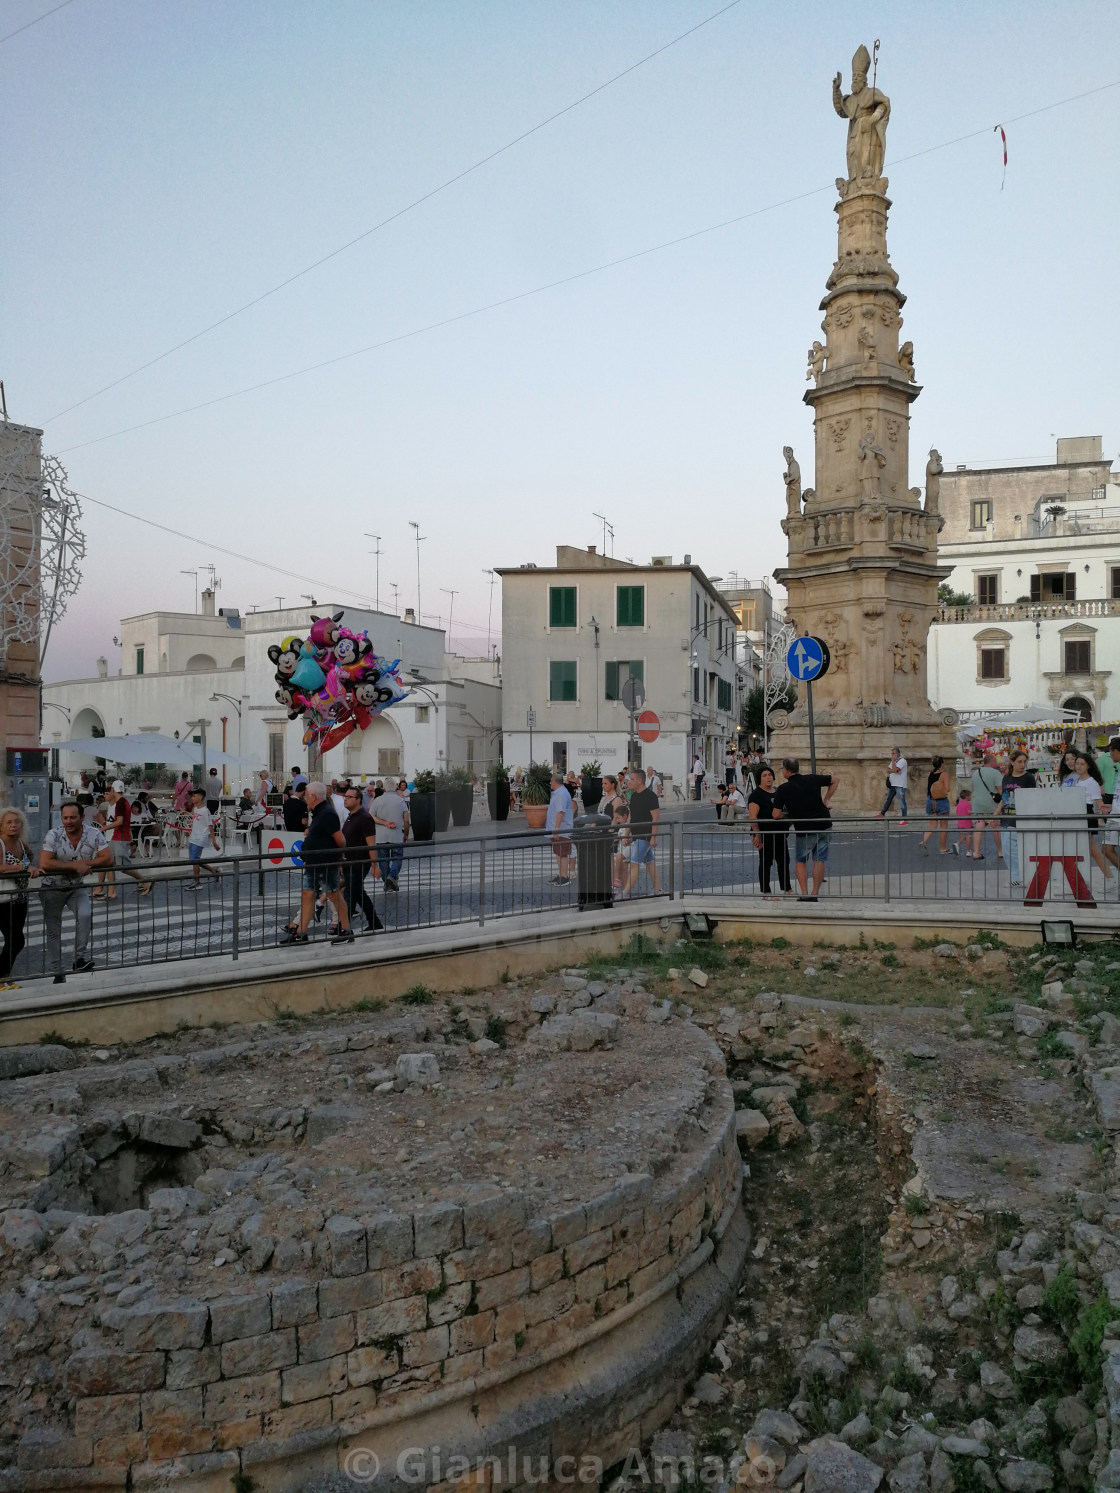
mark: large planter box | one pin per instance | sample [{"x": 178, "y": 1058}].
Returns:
[
  {"x": 497, "y": 797},
  {"x": 422, "y": 815},
  {"x": 462, "y": 804}
]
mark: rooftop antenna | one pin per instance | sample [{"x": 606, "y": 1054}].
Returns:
[
  {"x": 280, "y": 603},
  {"x": 450, "y": 615},
  {"x": 376, "y": 571},
  {"x": 215, "y": 583},
  {"x": 490, "y": 609},
  {"x": 304, "y": 596},
  {"x": 396, "y": 590},
  {"x": 608, "y": 528},
  {"x": 195, "y": 574},
  {"x": 412, "y": 524}
]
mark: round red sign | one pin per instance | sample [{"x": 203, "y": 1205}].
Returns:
[{"x": 649, "y": 727}]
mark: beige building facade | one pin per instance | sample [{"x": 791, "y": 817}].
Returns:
[
  {"x": 573, "y": 633},
  {"x": 21, "y": 455}
]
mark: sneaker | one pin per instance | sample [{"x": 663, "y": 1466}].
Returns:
[
  {"x": 292, "y": 937},
  {"x": 563, "y": 880},
  {"x": 344, "y": 935},
  {"x": 979, "y": 856},
  {"x": 954, "y": 850},
  {"x": 195, "y": 886},
  {"x": 557, "y": 881},
  {"x": 60, "y": 979},
  {"x": 82, "y": 966},
  {"x": 924, "y": 849},
  {"x": 903, "y": 821},
  {"x": 392, "y": 884},
  {"x": 809, "y": 897},
  {"x": 878, "y": 816}
]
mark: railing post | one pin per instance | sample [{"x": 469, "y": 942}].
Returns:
[
  {"x": 236, "y": 907},
  {"x": 481, "y": 882},
  {"x": 672, "y": 860},
  {"x": 681, "y": 882},
  {"x": 886, "y": 859}
]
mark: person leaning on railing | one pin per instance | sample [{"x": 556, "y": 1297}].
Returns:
[{"x": 70, "y": 852}]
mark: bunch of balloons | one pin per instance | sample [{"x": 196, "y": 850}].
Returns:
[{"x": 334, "y": 680}]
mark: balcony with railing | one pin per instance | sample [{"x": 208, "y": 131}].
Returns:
[{"x": 1030, "y": 611}]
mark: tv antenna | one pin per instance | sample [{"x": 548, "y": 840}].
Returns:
[
  {"x": 608, "y": 528},
  {"x": 376, "y": 571}
]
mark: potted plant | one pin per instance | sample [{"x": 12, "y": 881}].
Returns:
[
  {"x": 591, "y": 785},
  {"x": 461, "y": 794},
  {"x": 536, "y": 791},
  {"x": 422, "y": 806},
  {"x": 497, "y": 790},
  {"x": 443, "y": 801}
]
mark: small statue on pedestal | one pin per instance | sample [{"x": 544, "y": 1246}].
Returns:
[
  {"x": 933, "y": 480},
  {"x": 792, "y": 479},
  {"x": 817, "y": 356},
  {"x": 906, "y": 360}
]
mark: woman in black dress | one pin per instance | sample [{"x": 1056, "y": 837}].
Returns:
[{"x": 770, "y": 835}]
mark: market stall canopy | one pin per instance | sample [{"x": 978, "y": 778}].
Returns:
[{"x": 145, "y": 746}]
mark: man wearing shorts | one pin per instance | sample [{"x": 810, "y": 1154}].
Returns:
[
  {"x": 321, "y": 854},
  {"x": 645, "y": 817},
  {"x": 121, "y": 842},
  {"x": 558, "y": 821},
  {"x": 799, "y": 798}
]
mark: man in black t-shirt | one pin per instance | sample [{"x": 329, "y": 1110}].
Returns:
[
  {"x": 360, "y": 834},
  {"x": 295, "y": 811},
  {"x": 799, "y": 798},
  {"x": 645, "y": 816},
  {"x": 321, "y": 853}
]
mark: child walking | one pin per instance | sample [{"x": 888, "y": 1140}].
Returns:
[
  {"x": 963, "y": 812},
  {"x": 202, "y": 829}
]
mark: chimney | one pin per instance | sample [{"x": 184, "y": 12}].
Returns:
[
  {"x": 410, "y": 615},
  {"x": 590, "y": 549},
  {"x": 688, "y": 559},
  {"x": 102, "y": 668},
  {"x": 208, "y": 603}
]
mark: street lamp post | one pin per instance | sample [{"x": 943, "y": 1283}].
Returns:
[{"x": 218, "y": 695}]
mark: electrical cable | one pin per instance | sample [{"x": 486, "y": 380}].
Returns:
[
  {"x": 522, "y": 295},
  {"x": 35, "y": 22},
  {"x": 294, "y": 575},
  {"x": 393, "y": 217}
]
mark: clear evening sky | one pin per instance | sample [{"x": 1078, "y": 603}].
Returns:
[{"x": 166, "y": 163}]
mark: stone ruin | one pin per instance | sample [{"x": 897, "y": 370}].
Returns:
[{"x": 250, "y": 1258}]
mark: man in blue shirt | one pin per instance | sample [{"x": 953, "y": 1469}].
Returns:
[{"x": 558, "y": 821}]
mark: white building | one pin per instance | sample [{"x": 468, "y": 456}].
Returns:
[
  {"x": 1037, "y": 551},
  {"x": 573, "y": 634},
  {"x": 178, "y": 668}
]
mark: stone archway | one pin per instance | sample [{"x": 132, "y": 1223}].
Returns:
[{"x": 1081, "y": 705}]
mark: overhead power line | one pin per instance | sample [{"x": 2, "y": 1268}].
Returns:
[
  {"x": 536, "y": 290},
  {"x": 295, "y": 575},
  {"x": 28, "y": 25},
  {"x": 400, "y": 213}
]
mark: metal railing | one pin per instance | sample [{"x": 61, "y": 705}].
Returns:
[
  {"x": 883, "y": 859},
  {"x": 247, "y": 903}
]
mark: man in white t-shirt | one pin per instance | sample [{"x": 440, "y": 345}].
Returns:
[
  {"x": 698, "y": 778},
  {"x": 898, "y": 774},
  {"x": 734, "y": 805}
]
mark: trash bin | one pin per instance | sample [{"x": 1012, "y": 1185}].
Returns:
[{"x": 594, "y": 842}]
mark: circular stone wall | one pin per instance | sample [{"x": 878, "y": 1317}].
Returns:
[{"x": 299, "y": 1254}]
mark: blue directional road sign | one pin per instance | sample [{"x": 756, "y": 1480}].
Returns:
[{"x": 807, "y": 659}]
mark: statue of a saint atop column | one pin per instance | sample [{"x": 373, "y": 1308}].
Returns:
[
  {"x": 934, "y": 470},
  {"x": 867, "y": 112},
  {"x": 792, "y": 478}
]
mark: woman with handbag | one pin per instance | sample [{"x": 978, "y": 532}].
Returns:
[
  {"x": 16, "y": 869},
  {"x": 937, "y": 806}
]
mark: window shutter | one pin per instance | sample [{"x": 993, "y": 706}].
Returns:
[
  {"x": 1036, "y": 588},
  {"x": 611, "y": 681}
]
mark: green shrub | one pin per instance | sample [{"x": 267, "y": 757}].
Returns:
[
  {"x": 1061, "y": 1301},
  {"x": 416, "y": 995},
  {"x": 1086, "y": 1338},
  {"x": 496, "y": 1030},
  {"x": 425, "y": 782}
]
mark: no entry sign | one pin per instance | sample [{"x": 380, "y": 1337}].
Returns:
[{"x": 649, "y": 727}]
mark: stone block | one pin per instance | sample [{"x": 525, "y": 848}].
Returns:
[
  {"x": 497, "y": 1217},
  {"x": 349, "y": 1294},
  {"x": 107, "y": 1415},
  {"x": 325, "y": 1339},
  {"x": 310, "y": 1415},
  {"x": 541, "y": 1306},
  {"x": 244, "y": 1432},
  {"x": 347, "y": 1239},
  {"x": 420, "y": 1068},
  {"x": 234, "y": 1399},
  {"x": 91, "y": 1371},
  {"x": 391, "y": 1319},
  {"x": 22, "y": 1231},
  {"x": 495, "y": 1290},
  {"x": 119, "y": 1450},
  {"x": 25, "y": 1062},
  {"x": 477, "y": 1263},
  {"x": 645, "y": 1279},
  {"x": 179, "y": 1441},
  {"x": 369, "y": 1365},
  {"x": 546, "y": 1269},
  {"x": 170, "y": 1409},
  {"x": 218, "y": 1466},
  {"x": 533, "y": 1240},
  {"x": 438, "y": 1229},
  {"x": 354, "y": 1403},
  {"x": 239, "y": 1317},
  {"x": 621, "y": 1264},
  {"x": 159, "y": 1326},
  {"x": 469, "y": 1333},
  {"x": 44, "y": 1450},
  {"x": 165, "y": 1130},
  {"x": 450, "y": 1304},
  {"x": 388, "y": 1240},
  {"x": 751, "y": 1128},
  {"x": 293, "y": 1303},
  {"x": 590, "y": 1283},
  {"x": 462, "y": 1366},
  {"x": 419, "y": 1348},
  {"x": 588, "y": 1251},
  {"x": 41, "y": 1154},
  {"x": 328, "y": 1119},
  {"x": 311, "y": 1381},
  {"x": 412, "y": 1278},
  {"x": 611, "y": 1300},
  {"x": 567, "y": 1227},
  {"x": 256, "y": 1355},
  {"x": 188, "y": 1367}
]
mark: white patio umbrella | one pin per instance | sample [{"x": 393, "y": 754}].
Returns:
[
  {"x": 144, "y": 746},
  {"x": 215, "y": 757}
]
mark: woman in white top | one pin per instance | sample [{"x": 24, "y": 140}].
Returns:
[{"x": 1088, "y": 782}]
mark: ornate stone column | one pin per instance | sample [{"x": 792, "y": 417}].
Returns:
[{"x": 862, "y": 570}]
